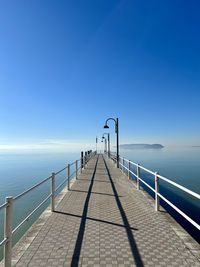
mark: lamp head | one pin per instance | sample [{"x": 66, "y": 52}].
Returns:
[
  {"x": 103, "y": 137},
  {"x": 106, "y": 126}
]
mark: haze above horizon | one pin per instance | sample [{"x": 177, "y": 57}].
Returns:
[{"x": 66, "y": 66}]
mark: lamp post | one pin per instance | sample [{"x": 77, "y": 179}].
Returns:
[
  {"x": 105, "y": 143},
  {"x": 108, "y": 142},
  {"x": 96, "y": 144},
  {"x": 117, "y": 133}
]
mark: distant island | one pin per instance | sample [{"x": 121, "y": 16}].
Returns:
[{"x": 141, "y": 146}]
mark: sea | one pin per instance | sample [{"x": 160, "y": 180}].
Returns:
[{"x": 20, "y": 171}]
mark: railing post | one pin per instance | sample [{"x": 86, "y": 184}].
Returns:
[
  {"x": 85, "y": 159},
  {"x": 123, "y": 169},
  {"x": 129, "y": 168},
  {"x": 138, "y": 176},
  {"x": 157, "y": 198},
  {"x": 82, "y": 161},
  {"x": 8, "y": 232},
  {"x": 68, "y": 180},
  {"x": 53, "y": 192},
  {"x": 76, "y": 169}
]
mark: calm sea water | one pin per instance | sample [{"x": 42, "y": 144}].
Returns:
[{"x": 21, "y": 171}]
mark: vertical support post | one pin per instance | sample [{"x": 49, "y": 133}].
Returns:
[
  {"x": 138, "y": 176},
  {"x": 108, "y": 145},
  {"x": 53, "y": 192},
  {"x": 68, "y": 180},
  {"x": 117, "y": 132},
  {"x": 82, "y": 161},
  {"x": 8, "y": 232},
  {"x": 85, "y": 159},
  {"x": 129, "y": 168},
  {"x": 76, "y": 169},
  {"x": 123, "y": 169},
  {"x": 157, "y": 198}
]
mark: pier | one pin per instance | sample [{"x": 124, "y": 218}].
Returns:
[{"x": 102, "y": 219}]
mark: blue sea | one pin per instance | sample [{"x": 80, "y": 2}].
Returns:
[{"x": 18, "y": 172}]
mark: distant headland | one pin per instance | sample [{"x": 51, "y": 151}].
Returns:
[{"x": 141, "y": 146}]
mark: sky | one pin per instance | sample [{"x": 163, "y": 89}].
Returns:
[{"x": 67, "y": 66}]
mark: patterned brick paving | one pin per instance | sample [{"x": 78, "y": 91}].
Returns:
[{"x": 105, "y": 221}]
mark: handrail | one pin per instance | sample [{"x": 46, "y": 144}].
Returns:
[
  {"x": 3, "y": 206},
  {"x": 166, "y": 180},
  {"x": 56, "y": 173},
  {"x": 157, "y": 176},
  {"x": 194, "y": 194},
  {"x": 30, "y": 214},
  {"x": 9, "y": 201},
  {"x": 31, "y": 188}
]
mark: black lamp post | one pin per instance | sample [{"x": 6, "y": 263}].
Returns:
[
  {"x": 105, "y": 143},
  {"x": 108, "y": 143},
  {"x": 117, "y": 133}
]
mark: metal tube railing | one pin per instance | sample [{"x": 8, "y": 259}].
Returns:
[
  {"x": 8, "y": 205},
  {"x": 157, "y": 177},
  {"x": 30, "y": 214},
  {"x": 33, "y": 187}
]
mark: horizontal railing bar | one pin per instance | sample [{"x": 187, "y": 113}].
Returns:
[
  {"x": 180, "y": 212},
  {"x": 146, "y": 184},
  {"x": 133, "y": 163},
  {"x": 61, "y": 170},
  {"x": 124, "y": 159},
  {"x": 194, "y": 194},
  {"x": 125, "y": 167},
  {"x": 147, "y": 170},
  {"x": 30, "y": 189},
  {"x": 180, "y": 187},
  {"x": 3, "y": 205},
  {"x": 27, "y": 218},
  {"x": 3, "y": 242},
  {"x": 72, "y": 174},
  {"x": 61, "y": 184},
  {"x": 134, "y": 174}
]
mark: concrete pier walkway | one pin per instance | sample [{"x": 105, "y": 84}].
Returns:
[{"x": 104, "y": 221}]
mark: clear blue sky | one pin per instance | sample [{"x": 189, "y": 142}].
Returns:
[{"x": 65, "y": 66}]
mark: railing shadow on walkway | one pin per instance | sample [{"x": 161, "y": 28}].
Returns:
[
  {"x": 95, "y": 220},
  {"x": 133, "y": 245},
  {"x": 97, "y": 193},
  {"x": 100, "y": 181}
]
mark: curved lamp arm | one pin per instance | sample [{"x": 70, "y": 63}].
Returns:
[{"x": 106, "y": 124}]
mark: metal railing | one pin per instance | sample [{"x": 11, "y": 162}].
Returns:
[
  {"x": 80, "y": 164},
  {"x": 156, "y": 190}
]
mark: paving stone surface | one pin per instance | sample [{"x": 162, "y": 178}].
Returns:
[{"x": 104, "y": 221}]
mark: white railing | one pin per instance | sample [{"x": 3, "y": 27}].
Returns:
[
  {"x": 156, "y": 190},
  {"x": 80, "y": 164}
]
